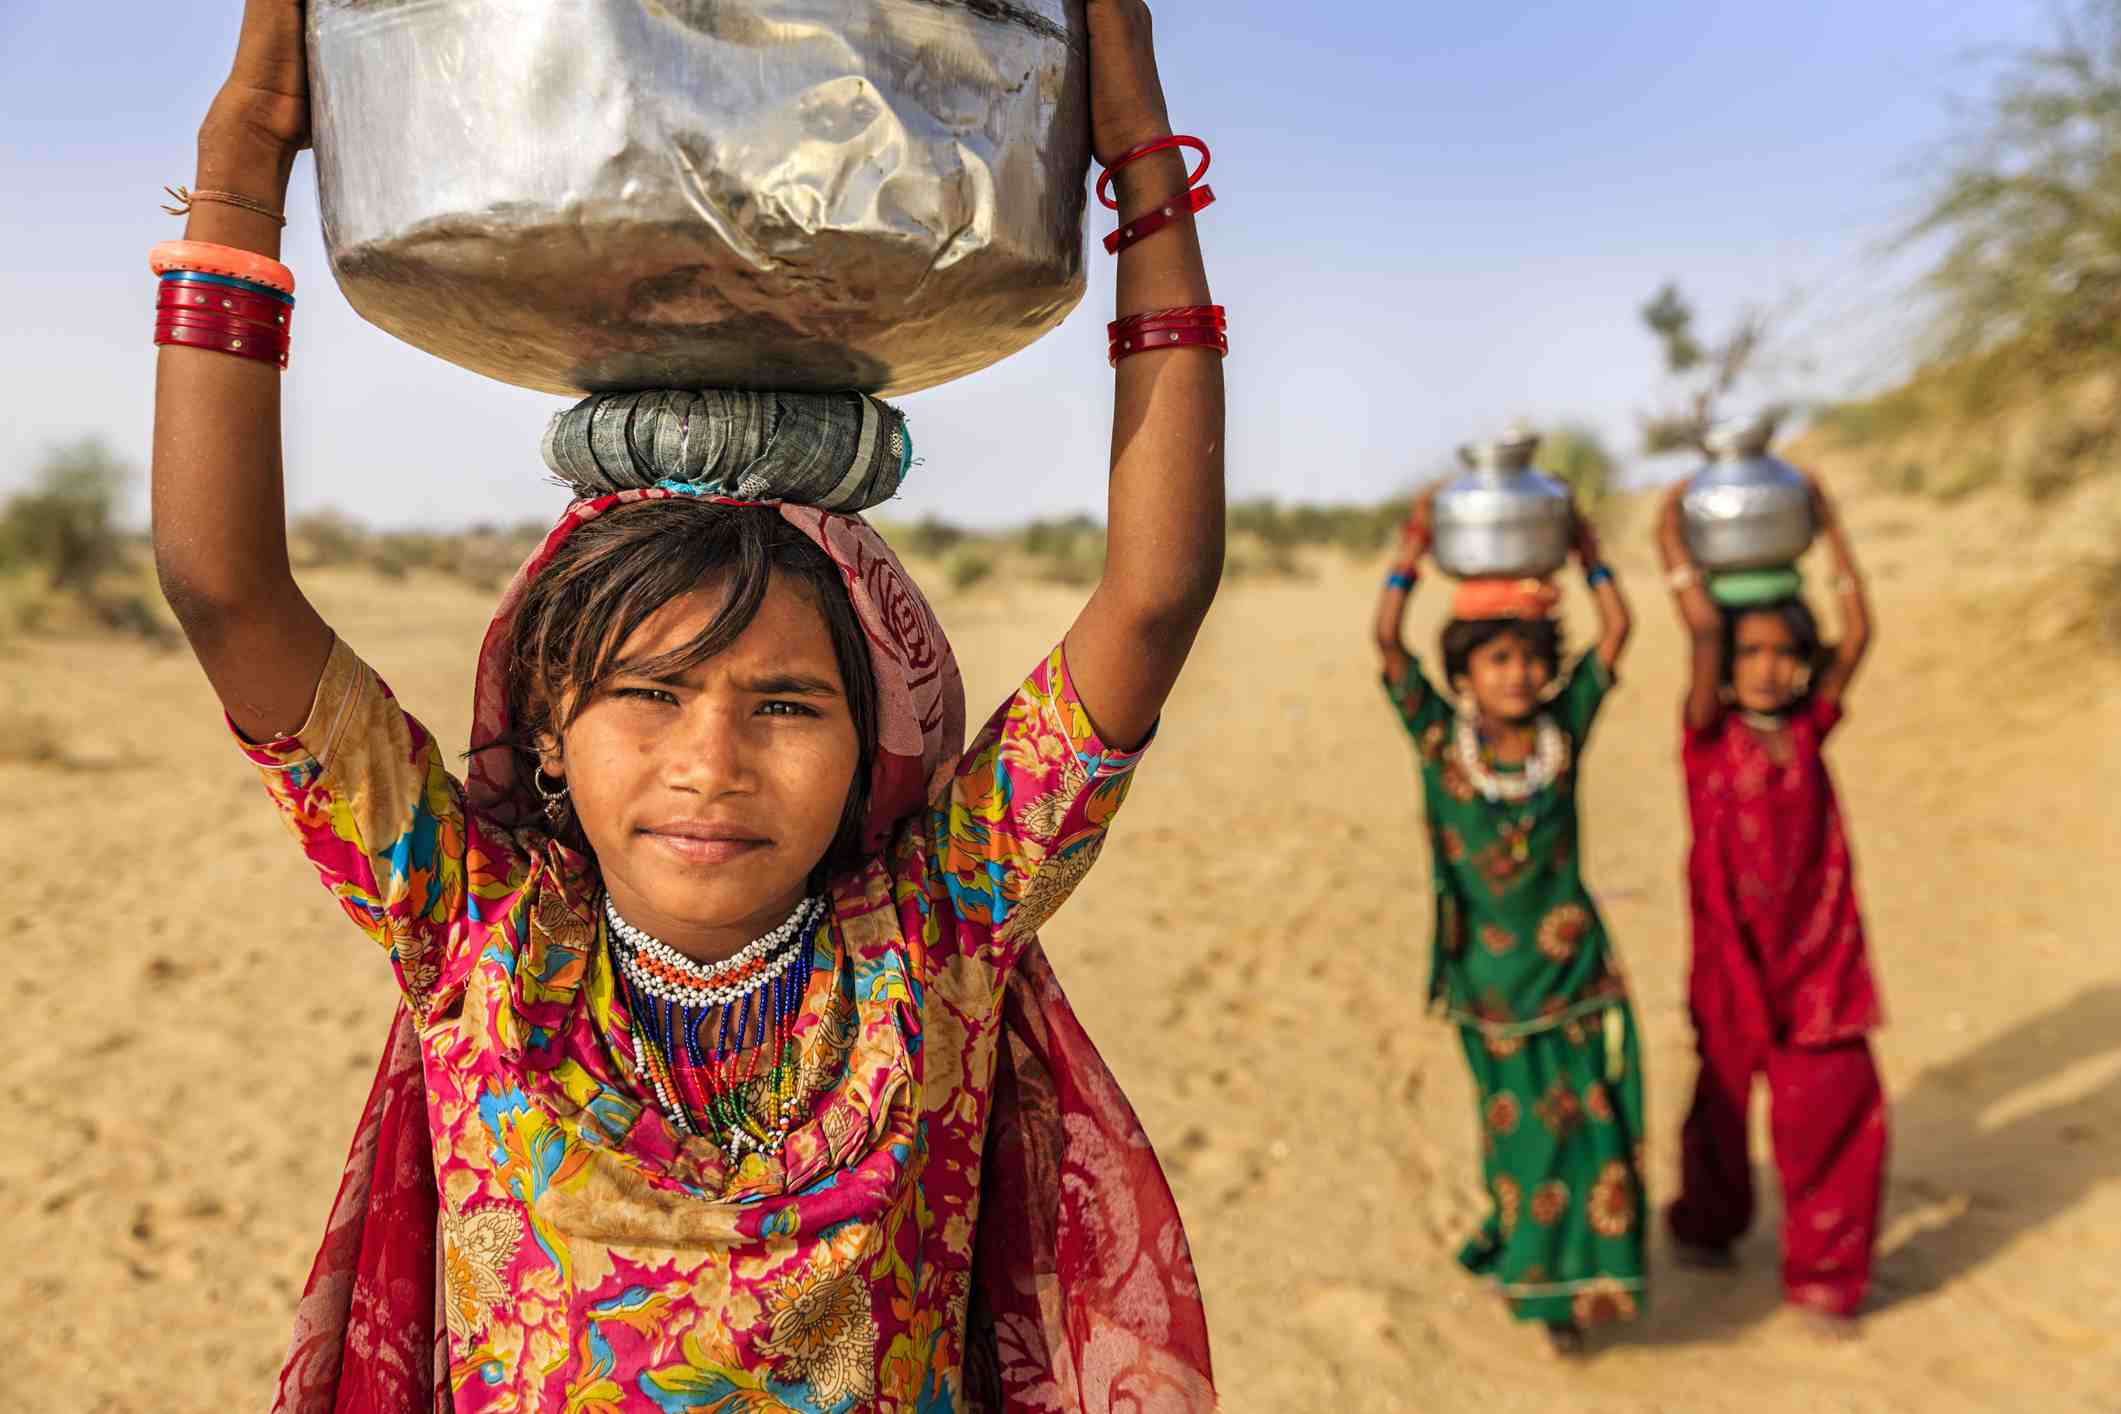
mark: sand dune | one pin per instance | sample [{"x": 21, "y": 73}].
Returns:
[{"x": 198, "y": 1024}]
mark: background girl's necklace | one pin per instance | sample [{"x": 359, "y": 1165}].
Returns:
[{"x": 1549, "y": 758}]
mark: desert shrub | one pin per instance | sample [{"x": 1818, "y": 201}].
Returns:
[
  {"x": 968, "y": 567},
  {"x": 64, "y": 525},
  {"x": 325, "y": 538},
  {"x": 1066, "y": 550}
]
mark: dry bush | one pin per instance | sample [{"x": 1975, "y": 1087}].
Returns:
[
  {"x": 969, "y": 567},
  {"x": 65, "y": 564},
  {"x": 65, "y": 524},
  {"x": 1067, "y": 550},
  {"x": 326, "y": 539}
]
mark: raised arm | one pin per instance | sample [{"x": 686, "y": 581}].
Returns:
[
  {"x": 1855, "y": 640},
  {"x": 1614, "y": 621},
  {"x": 219, "y": 515},
  {"x": 1697, "y": 612},
  {"x": 1398, "y": 590},
  {"x": 1164, "y": 537}
]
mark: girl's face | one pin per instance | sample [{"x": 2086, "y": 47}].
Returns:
[
  {"x": 710, "y": 796},
  {"x": 1768, "y": 671},
  {"x": 1505, "y": 677}
]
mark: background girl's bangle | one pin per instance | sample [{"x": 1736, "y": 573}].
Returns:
[
  {"x": 1400, "y": 579},
  {"x": 1597, "y": 575}
]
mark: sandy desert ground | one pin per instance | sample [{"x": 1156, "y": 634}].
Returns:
[{"x": 198, "y": 1025}]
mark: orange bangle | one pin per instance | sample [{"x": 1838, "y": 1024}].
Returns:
[{"x": 209, "y": 259}]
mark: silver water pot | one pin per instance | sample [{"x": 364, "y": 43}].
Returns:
[
  {"x": 1745, "y": 510},
  {"x": 1502, "y": 519},
  {"x": 596, "y": 195}
]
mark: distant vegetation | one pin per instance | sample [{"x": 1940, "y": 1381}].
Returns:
[
  {"x": 2018, "y": 384},
  {"x": 1706, "y": 372},
  {"x": 64, "y": 562},
  {"x": 1574, "y": 455},
  {"x": 483, "y": 557},
  {"x": 67, "y": 563}
]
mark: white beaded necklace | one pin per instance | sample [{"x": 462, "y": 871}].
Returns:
[
  {"x": 1549, "y": 758},
  {"x": 704, "y": 984}
]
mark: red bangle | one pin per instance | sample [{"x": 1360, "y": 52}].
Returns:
[
  {"x": 1170, "y": 213},
  {"x": 203, "y": 299},
  {"x": 1213, "y": 315},
  {"x": 1202, "y": 338},
  {"x": 221, "y": 335},
  {"x": 1147, "y": 149},
  {"x": 234, "y": 328},
  {"x": 1120, "y": 329},
  {"x": 1183, "y": 311}
]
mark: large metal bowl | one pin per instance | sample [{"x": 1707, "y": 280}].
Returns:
[{"x": 593, "y": 195}]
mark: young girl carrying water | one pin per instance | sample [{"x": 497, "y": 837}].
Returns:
[
  {"x": 1781, "y": 982},
  {"x": 1521, "y": 962},
  {"x": 728, "y": 1073}
]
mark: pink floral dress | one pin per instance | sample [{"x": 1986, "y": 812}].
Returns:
[{"x": 592, "y": 1259}]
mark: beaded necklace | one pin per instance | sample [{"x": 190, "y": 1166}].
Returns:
[
  {"x": 1549, "y": 758},
  {"x": 720, "y": 1021}
]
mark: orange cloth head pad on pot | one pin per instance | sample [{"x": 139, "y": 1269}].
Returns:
[{"x": 1505, "y": 599}]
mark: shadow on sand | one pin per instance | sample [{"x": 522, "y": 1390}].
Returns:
[{"x": 1986, "y": 1148}]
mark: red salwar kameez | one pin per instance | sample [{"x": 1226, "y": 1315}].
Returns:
[{"x": 1781, "y": 984}]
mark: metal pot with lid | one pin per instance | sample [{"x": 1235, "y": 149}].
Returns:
[
  {"x": 1745, "y": 510},
  {"x": 1502, "y": 519},
  {"x": 600, "y": 195}
]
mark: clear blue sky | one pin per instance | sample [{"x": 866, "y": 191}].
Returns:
[{"x": 1433, "y": 218}]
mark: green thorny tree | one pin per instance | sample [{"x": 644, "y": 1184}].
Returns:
[
  {"x": 1707, "y": 373},
  {"x": 2030, "y": 206}
]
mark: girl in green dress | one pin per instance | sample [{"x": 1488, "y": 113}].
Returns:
[{"x": 1522, "y": 965}]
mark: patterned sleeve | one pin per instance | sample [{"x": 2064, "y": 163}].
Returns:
[
  {"x": 1027, "y": 813},
  {"x": 1419, "y": 705},
  {"x": 363, "y": 787},
  {"x": 1576, "y": 705}
]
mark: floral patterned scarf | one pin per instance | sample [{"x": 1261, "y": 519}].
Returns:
[{"x": 1070, "y": 1312}]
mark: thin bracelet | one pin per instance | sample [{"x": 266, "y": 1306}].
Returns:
[
  {"x": 186, "y": 199},
  {"x": 1682, "y": 578}
]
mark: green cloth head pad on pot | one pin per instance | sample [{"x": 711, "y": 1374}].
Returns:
[{"x": 1742, "y": 589}]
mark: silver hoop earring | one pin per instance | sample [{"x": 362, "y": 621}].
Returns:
[{"x": 555, "y": 800}]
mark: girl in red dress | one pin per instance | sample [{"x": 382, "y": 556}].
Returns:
[{"x": 1781, "y": 984}]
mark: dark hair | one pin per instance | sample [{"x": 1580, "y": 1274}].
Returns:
[
  {"x": 617, "y": 570},
  {"x": 1797, "y": 617},
  {"x": 1462, "y": 638}
]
